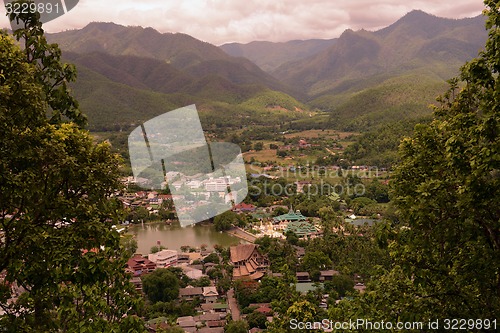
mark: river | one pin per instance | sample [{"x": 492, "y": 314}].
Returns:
[{"x": 174, "y": 236}]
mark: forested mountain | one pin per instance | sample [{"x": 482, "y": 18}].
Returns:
[
  {"x": 362, "y": 79},
  {"x": 130, "y": 74},
  {"x": 416, "y": 41},
  {"x": 370, "y": 78}
]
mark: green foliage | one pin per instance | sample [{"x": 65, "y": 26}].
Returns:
[
  {"x": 446, "y": 247},
  {"x": 225, "y": 220},
  {"x": 361, "y": 205},
  {"x": 129, "y": 244},
  {"x": 56, "y": 217},
  {"x": 279, "y": 253},
  {"x": 239, "y": 326},
  {"x": 340, "y": 285},
  {"x": 315, "y": 261},
  {"x": 156, "y": 248},
  {"x": 257, "y": 319},
  {"x": 172, "y": 309},
  {"x": 161, "y": 286},
  {"x": 212, "y": 257},
  {"x": 378, "y": 146}
]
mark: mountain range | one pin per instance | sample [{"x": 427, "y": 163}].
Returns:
[{"x": 359, "y": 81}]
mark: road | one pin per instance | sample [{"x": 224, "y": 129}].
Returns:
[{"x": 233, "y": 305}]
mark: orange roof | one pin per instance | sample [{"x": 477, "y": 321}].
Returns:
[{"x": 241, "y": 252}]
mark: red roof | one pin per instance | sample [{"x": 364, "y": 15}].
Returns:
[{"x": 244, "y": 207}]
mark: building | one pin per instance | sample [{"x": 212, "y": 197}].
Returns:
[
  {"x": 302, "y": 229},
  {"x": 164, "y": 258},
  {"x": 291, "y": 216},
  {"x": 210, "y": 294},
  {"x": 139, "y": 265},
  {"x": 302, "y": 277},
  {"x": 217, "y": 185},
  {"x": 247, "y": 262},
  {"x": 243, "y": 207},
  {"x": 191, "y": 293},
  {"x": 301, "y": 184},
  {"x": 327, "y": 275}
]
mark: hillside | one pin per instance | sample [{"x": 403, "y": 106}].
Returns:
[
  {"x": 128, "y": 75},
  {"x": 269, "y": 55},
  {"x": 180, "y": 51},
  {"x": 120, "y": 92},
  {"x": 418, "y": 40}
]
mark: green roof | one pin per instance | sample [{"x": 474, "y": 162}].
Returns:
[
  {"x": 290, "y": 216},
  {"x": 307, "y": 286},
  {"x": 301, "y": 228},
  {"x": 220, "y": 306}
]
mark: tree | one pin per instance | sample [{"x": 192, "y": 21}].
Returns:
[
  {"x": 341, "y": 284},
  {"x": 257, "y": 319},
  {"x": 156, "y": 248},
  {"x": 258, "y": 146},
  {"x": 238, "y": 326},
  {"x": 128, "y": 244},
  {"x": 225, "y": 220},
  {"x": 212, "y": 257},
  {"x": 161, "y": 286},
  {"x": 315, "y": 261},
  {"x": 446, "y": 248},
  {"x": 56, "y": 218}
]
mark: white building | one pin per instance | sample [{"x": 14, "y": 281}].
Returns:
[
  {"x": 164, "y": 258},
  {"x": 220, "y": 184}
]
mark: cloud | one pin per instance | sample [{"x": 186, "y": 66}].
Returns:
[{"x": 222, "y": 21}]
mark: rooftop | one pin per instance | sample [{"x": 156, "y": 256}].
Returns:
[{"x": 290, "y": 216}]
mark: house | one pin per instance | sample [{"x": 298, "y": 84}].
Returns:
[
  {"x": 247, "y": 262},
  {"x": 301, "y": 184},
  {"x": 183, "y": 259},
  {"x": 187, "y": 323},
  {"x": 300, "y": 252},
  {"x": 360, "y": 287},
  {"x": 208, "y": 266},
  {"x": 164, "y": 258},
  {"x": 264, "y": 308},
  {"x": 211, "y": 330},
  {"x": 215, "y": 323},
  {"x": 157, "y": 324},
  {"x": 208, "y": 317},
  {"x": 139, "y": 265},
  {"x": 207, "y": 307},
  {"x": 303, "y": 277},
  {"x": 220, "y": 307},
  {"x": 243, "y": 207},
  {"x": 193, "y": 273},
  {"x": 210, "y": 294},
  {"x": 190, "y": 293},
  {"x": 137, "y": 282},
  {"x": 327, "y": 275}
]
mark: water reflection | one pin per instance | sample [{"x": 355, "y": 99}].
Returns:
[{"x": 174, "y": 236}]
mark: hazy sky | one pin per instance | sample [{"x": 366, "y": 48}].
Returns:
[{"x": 222, "y": 21}]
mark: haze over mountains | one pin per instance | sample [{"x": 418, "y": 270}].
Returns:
[{"x": 361, "y": 80}]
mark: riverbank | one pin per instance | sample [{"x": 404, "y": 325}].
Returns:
[{"x": 242, "y": 234}]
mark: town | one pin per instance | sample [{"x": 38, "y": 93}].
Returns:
[{"x": 220, "y": 286}]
